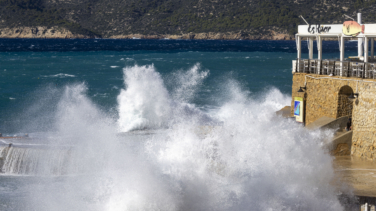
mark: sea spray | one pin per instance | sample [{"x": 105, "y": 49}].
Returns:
[
  {"x": 187, "y": 83},
  {"x": 99, "y": 168},
  {"x": 241, "y": 156},
  {"x": 253, "y": 159},
  {"x": 145, "y": 103}
]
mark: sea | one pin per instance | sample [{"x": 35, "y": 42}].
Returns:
[{"x": 106, "y": 124}]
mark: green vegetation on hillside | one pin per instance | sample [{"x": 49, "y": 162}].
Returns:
[
  {"x": 34, "y": 13},
  {"x": 115, "y": 17}
]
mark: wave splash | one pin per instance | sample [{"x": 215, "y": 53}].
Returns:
[
  {"x": 238, "y": 157},
  {"x": 147, "y": 104}
]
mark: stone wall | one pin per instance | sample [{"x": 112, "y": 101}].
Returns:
[
  {"x": 323, "y": 98},
  {"x": 364, "y": 138}
]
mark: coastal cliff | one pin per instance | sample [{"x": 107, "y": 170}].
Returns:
[
  {"x": 38, "y": 32},
  {"x": 269, "y": 35},
  {"x": 63, "y": 33}
]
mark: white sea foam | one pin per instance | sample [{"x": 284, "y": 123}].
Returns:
[
  {"x": 60, "y": 75},
  {"x": 249, "y": 160},
  {"x": 114, "y": 66}
]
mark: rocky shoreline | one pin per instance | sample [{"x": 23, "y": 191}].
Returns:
[
  {"x": 62, "y": 33},
  {"x": 39, "y": 32}
]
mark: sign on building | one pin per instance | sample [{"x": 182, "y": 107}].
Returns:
[{"x": 298, "y": 109}]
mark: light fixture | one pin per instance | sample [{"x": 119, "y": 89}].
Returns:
[
  {"x": 348, "y": 17},
  {"x": 300, "y": 16},
  {"x": 352, "y": 96},
  {"x": 301, "y": 89}
]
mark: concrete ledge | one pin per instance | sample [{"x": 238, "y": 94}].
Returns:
[
  {"x": 341, "y": 145},
  {"x": 328, "y": 123},
  {"x": 320, "y": 122},
  {"x": 338, "y": 123},
  {"x": 285, "y": 112}
]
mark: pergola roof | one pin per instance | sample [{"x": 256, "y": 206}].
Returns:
[{"x": 349, "y": 29}]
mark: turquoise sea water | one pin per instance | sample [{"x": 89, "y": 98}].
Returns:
[
  {"x": 27, "y": 66},
  {"x": 157, "y": 125}
]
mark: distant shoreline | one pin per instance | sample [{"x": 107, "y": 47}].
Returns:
[
  {"x": 43, "y": 32},
  {"x": 107, "y": 38}
]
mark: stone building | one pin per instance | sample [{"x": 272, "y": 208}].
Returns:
[
  {"x": 339, "y": 87},
  {"x": 329, "y": 96}
]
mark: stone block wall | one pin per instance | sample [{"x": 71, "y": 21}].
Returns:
[
  {"x": 364, "y": 138},
  {"x": 322, "y": 98}
]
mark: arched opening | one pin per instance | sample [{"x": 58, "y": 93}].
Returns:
[{"x": 345, "y": 106}]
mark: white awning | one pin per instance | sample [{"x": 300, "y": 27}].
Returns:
[{"x": 333, "y": 30}]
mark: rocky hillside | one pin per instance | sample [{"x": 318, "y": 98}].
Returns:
[{"x": 185, "y": 19}]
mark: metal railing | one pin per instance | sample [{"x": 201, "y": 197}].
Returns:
[{"x": 335, "y": 68}]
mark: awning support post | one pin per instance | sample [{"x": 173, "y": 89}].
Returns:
[
  {"x": 365, "y": 49},
  {"x": 365, "y": 56},
  {"x": 319, "y": 49},
  {"x": 319, "y": 54},
  {"x": 360, "y": 40},
  {"x": 311, "y": 48},
  {"x": 372, "y": 48},
  {"x": 342, "y": 54},
  {"x": 299, "y": 47},
  {"x": 299, "y": 50}
]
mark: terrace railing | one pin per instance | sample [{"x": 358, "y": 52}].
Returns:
[{"x": 335, "y": 68}]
